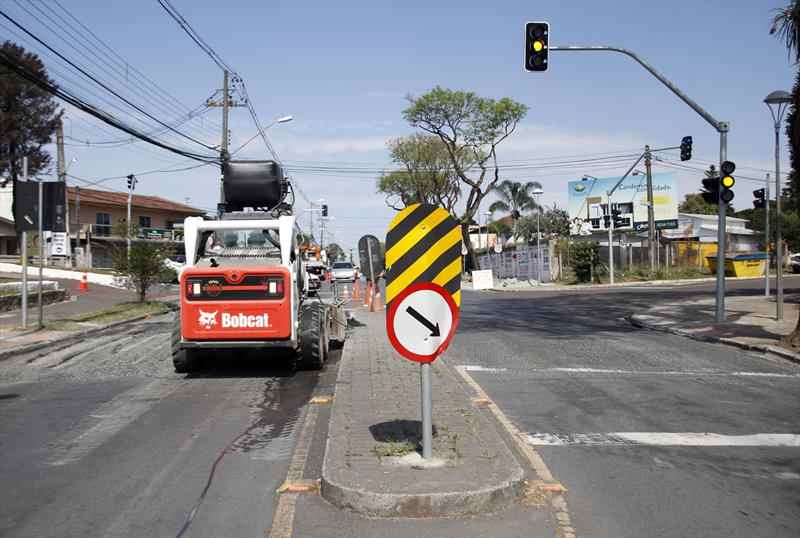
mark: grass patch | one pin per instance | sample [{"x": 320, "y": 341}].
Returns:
[
  {"x": 119, "y": 312},
  {"x": 393, "y": 448}
]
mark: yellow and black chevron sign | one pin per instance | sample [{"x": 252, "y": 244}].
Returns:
[{"x": 423, "y": 244}]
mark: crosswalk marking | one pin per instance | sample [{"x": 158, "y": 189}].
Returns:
[
  {"x": 686, "y": 439},
  {"x": 609, "y": 371}
]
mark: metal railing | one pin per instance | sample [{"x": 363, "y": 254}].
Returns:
[{"x": 154, "y": 234}]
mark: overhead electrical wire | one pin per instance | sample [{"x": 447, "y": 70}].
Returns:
[
  {"x": 53, "y": 89},
  {"x": 132, "y": 74},
  {"x": 89, "y": 55},
  {"x": 100, "y": 83}
]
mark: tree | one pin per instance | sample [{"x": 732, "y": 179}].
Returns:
[
  {"x": 515, "y": 197},
  {"x": 694, "y": 203},
  {"x": 144, "y": 267},
  {"x": 555, "y": 222},
  {"x": 427, "y": 175},
  {"x": 28, "y": 116},
  {"x": 786, "y": 25},
  {"x": 334, "y": 252},
  {"x": 471, "y": 128}
]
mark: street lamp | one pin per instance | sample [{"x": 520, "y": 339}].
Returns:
[
  {"x": 282, "y": 119},
  {"x": 778, "y": 102},
  {"x": 537, "y": 193}
]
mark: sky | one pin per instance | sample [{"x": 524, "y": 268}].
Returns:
[{"x": 344, "y": 71}]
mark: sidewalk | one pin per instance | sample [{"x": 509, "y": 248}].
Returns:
[
  {"x": 98, "y": 298},
  {"x": 525, "y": 285},
  {"x": 371, "y": 461},
  {"x": 750, "y": 322}
]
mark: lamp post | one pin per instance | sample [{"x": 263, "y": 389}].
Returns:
[
  {"x": 537, "y": 193},
  {"x": 282, "y": 119},
  {"x": 778, "y": 102},
  {"x": 481, "y": 243}
]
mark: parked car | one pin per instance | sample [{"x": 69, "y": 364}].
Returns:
[
  {"x": 794, "y": 263},
  {"x": 343, "y": 272}
]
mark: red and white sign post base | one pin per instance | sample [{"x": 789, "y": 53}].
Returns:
[{"x": 421, "y": 322}]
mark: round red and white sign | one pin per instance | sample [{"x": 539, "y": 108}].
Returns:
[{"x": 421, "y": 321}]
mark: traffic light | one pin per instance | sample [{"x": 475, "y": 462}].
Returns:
[
  {"x": 537, "y": 36},
  {"x": 324, "y": 210},
  {"x": 686, "y": 148},
  {"x": 131, "y": 182},
  {"x": 711, "y": 190},
  {"x": 620, "y": 222},
  {"x": 607, "y": 221},
  {"x": 761, "y": 198},
  {"x": 727, "y": 182}
]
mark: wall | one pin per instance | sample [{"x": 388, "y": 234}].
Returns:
[{"x": 158, "y": 218}]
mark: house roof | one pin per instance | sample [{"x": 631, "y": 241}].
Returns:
[{"x": 139, "y": 201}]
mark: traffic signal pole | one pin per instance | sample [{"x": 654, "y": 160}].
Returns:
[
  {"x": 720, "y": 126},
  {"x": 766, "y": 236}
]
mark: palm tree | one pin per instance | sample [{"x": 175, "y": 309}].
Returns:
[
  {"x": 515, "y": 197},
  {"x": 786, "y": 25}
]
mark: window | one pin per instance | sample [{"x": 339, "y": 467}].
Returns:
[
  {"x": 144, "y": 222},
  {"x": 102, "y": 224}
]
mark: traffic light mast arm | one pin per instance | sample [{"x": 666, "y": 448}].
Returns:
[
  {"x": 615, "y": 187},
  {"x": 718, "y": 125}
]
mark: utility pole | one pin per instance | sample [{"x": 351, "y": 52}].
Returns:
[
  {"x": 651, "y": 218},
  {"x": 25, "y": 258},
  {"x": 78, "y": 223},
  {"x": 131, "y": 185},
  {"x": 41, "y": 253},
  {"x": 62, "y": 177},
  {"x": 225, "y": 103},
  {"x": 610, "y": 241}
]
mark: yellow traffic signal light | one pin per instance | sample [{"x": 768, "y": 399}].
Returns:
[
  {"x": 728, "y": 182},
  {"x": 537, "y": 36}
]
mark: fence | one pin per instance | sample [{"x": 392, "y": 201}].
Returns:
[{"x": 522, "y": 264}]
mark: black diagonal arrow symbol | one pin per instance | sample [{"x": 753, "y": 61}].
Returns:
[{"x": 425, "y": 321}]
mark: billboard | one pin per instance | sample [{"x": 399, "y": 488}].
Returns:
[{"x": 587, "y": 203}]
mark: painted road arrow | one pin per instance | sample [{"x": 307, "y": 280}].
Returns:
[{"x": 422, "y": 319}]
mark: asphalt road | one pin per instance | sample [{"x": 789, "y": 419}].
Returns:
[
  {"x": 570, "y": 372},
  {"x": 103, "y": 439}
]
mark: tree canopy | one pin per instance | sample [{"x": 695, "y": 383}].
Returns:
[
  {"x": 471, "y": 128},
  {"x": 427, "y": 175},
  {"x": 335, "y": 252}
]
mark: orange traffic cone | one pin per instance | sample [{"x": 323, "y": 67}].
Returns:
[
  {"x": 368, "y": 295},
  {"x": 84, "y": 285},
  {"x": 378, "y": 301},
  {"x": 357, "y": 289},
  {"x": 345, "y": 293}
]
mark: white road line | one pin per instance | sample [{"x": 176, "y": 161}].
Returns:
[
  {"x": 116, "y": 415},
  {"x": 609, "y": 371},
  {"x": 689, "y": 439}
]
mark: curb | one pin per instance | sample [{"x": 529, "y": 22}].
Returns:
[
  {"x": 71, "y": 338},
  {"x": 637, "y": 321},
  {"x": 417, "y": 505},
  {"x": 643, "y": 283}
]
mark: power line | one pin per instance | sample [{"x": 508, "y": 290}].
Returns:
[
  {"x": 98, "y": 82},
  {"x": 53, "y": 89},
  {"x": 75, "y": 40}
]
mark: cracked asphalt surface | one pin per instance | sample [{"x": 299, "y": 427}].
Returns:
[{"x": 102, "y": 438}]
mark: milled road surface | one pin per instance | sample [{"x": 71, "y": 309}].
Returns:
[
  {"x": 103, "y": 439},
  {"x": 614, "y": 412}
]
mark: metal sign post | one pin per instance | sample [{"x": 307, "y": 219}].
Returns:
[
  {"x": 421, "y": 323},
  {"x": 41, "y": 253},
  {"x": 423, "y": 291},
  {"x": 25, "y": 259},
  {"x": 427, "y": 410}
]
